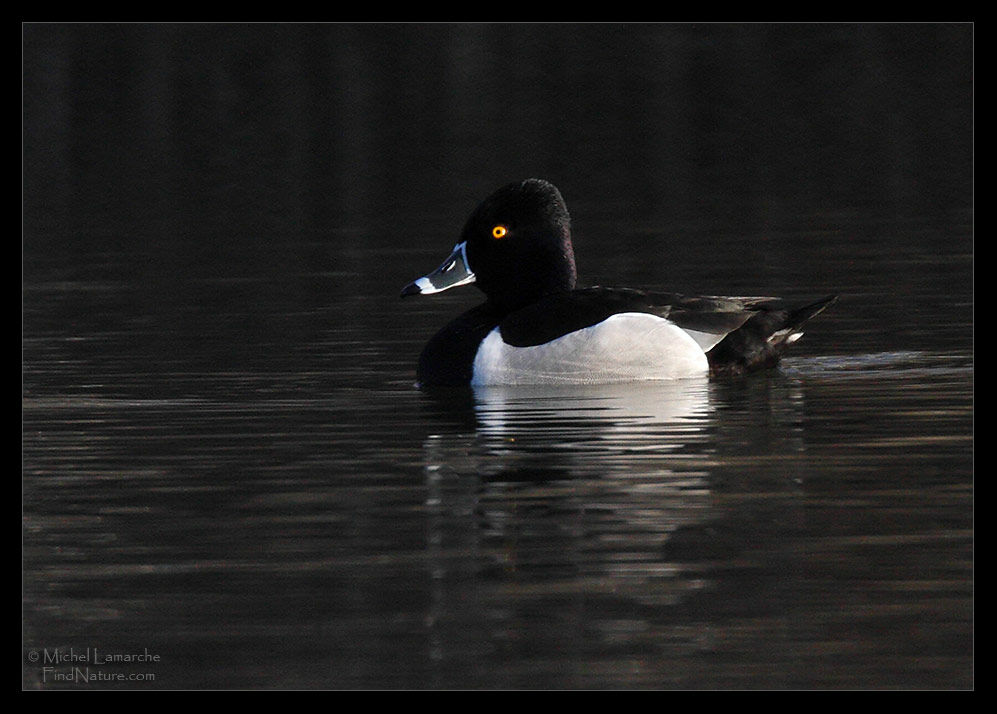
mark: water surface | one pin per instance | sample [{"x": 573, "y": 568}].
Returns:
[{"x": 226, "y": 463}]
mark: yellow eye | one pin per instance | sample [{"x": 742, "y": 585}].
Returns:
[{"x": 499, "y": 231}]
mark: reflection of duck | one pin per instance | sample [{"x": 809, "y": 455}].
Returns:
[
  {"x": 536, "y": 328},
  {"x": 563, "y": 497},
  {"x": 594, "y": 516},
  {"x": 538, "y": 433},
  {"x": 627, "y": 416}
]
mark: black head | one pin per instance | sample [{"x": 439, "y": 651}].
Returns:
[{"x": 516, "y": 247}]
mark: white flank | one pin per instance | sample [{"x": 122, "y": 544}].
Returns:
[{"x": 628, "y": 347}]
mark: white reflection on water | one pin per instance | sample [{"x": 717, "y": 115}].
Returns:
[
  {"x": 563, "y": 496},
  {"x": 635, "y": 415},
  {"x": 545, "y": 433}
]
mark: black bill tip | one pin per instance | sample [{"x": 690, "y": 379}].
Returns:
[{"x": 411, "y": 289}]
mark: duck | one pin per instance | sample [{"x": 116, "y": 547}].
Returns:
[{"x": 537, "y": 327}]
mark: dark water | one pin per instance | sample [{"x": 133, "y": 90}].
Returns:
[{"x": 225, "y": 463}]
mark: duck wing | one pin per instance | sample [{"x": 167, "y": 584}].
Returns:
[
  {"x": 763, "y": 337},
  {"x": 737, "y": 334}
]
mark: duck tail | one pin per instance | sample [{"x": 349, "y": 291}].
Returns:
[
  {"x": 802, "y": 314},
  {"x": 762, "y": 340},
  {"x": 799, "y": 317}
]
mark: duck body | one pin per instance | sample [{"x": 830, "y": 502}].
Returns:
[{"x": 536, "y": 327}]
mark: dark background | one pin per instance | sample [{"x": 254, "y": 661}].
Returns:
[{"x": 242, "y": 138}]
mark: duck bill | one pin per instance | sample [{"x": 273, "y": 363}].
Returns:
[{"x": 453, "y": 272}]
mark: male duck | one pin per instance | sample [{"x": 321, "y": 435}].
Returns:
[{"x": 537, "y": 328}]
